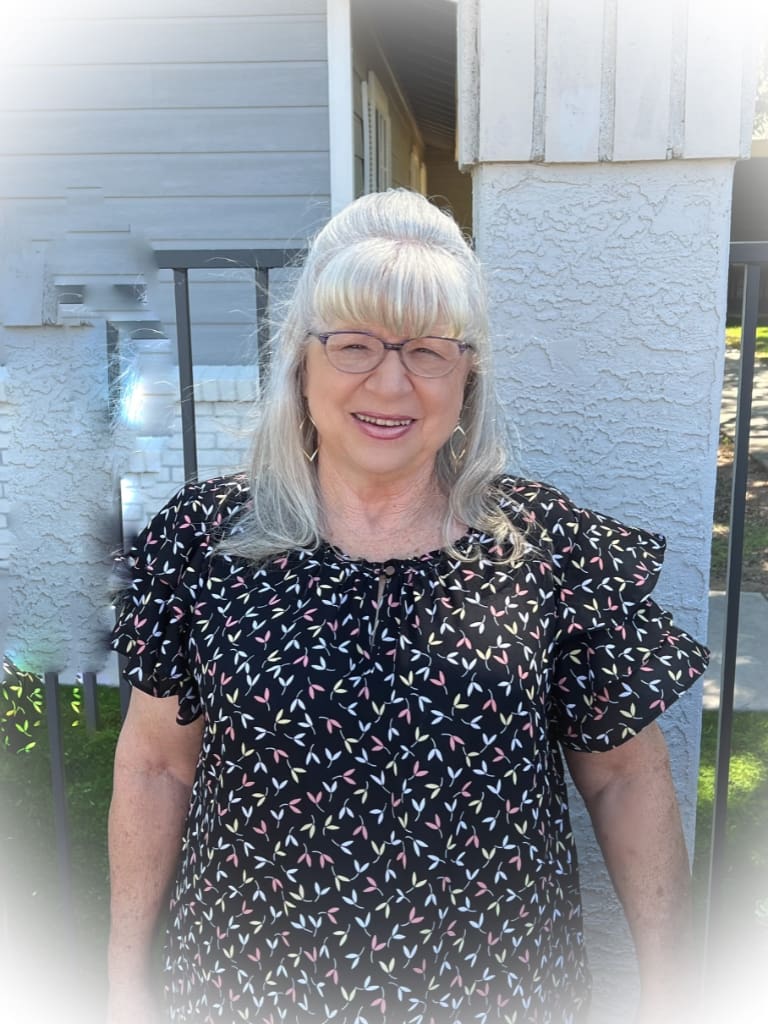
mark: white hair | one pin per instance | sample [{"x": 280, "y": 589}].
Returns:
[{"x": 395, "y": 260}]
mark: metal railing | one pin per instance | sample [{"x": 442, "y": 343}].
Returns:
[
  {"x": 753, "y": 257},
  {"x": 181, "y": 261},
  {"x": 261, "y": 261}
]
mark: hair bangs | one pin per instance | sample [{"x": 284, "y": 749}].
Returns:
[{"x": 408, "y": 288}]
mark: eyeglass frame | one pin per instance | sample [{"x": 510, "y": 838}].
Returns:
[{"x": 392, "y": 346}]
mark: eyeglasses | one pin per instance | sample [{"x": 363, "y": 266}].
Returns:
[{"x": 362, "y": 352}]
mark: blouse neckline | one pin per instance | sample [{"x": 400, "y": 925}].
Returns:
[{"x": 462, "y": 543}]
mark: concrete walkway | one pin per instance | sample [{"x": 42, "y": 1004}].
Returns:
[
  {"x": 751, "y": 691},
  {"x": 758, "y": 437}
]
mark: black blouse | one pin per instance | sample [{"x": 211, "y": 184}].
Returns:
[{"x": 378, "y": 829}]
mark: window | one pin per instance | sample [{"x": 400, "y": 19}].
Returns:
[{"x": 377, "y": 136}]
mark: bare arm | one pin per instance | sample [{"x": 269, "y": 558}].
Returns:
[
  {"x": 154, "y": 769},
  {"x": 631, "y": 799}
]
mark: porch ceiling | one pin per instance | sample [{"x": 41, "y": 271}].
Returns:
[{"x": 418, "y": 38}]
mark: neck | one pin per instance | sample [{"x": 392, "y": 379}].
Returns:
[{"x": 380, "y": 519}]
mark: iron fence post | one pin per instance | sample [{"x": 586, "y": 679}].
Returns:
[
  {"x": 186, "y": 373},
  {"x": 714, "y": 906},
  {"x": 90, "y": 701},
  {"x": 59, "y": 795}
]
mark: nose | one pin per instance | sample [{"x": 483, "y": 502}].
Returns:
[{"x": 390, "y": 375}]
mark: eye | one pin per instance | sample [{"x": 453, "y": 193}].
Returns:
[
  {"x": 428, "y": 351},
  {"x": 431, "y": 350},
  {"x": 351, "y": 342}
]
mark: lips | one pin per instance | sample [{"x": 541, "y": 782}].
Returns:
[{"x": 382, "y": 428}]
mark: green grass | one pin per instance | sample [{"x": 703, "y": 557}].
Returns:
[
  {"x": 733, "y": 340},
  {"x": 51, "y": 970},
  {"x": 746, "y": 882},
  {"x": 26, "y": 808},
  {"x": 755, "y": 545}
]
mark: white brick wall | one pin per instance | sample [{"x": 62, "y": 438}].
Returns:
[{"x": 152, "y": 467}]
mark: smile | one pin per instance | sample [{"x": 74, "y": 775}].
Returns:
[{"x": 380, "y": 421}]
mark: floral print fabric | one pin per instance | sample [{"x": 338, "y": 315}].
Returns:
[{"x": 378, "y": 829}]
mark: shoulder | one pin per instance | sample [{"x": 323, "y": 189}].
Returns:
[
  {"x": 538, "y": 497},
  {"x": 205, "y": 504},
  {"x": 210, "y": 503},
  {"x": 188, "y": 525},
  {"x": 570, "y": 531},
  {"x": 538, "y": 507}
]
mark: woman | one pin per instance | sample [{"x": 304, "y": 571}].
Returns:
[{"x": 379, "y": 646}]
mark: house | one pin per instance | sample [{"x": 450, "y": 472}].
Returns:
[{"x": 132, "y": 130}]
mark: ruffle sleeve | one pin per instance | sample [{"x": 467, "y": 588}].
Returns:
[
  {"x": 620, "y": 659},
  {"x": 158, "y": 580}
]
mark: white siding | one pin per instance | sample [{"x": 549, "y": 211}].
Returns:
[
  {"x": 127, "y": 127},
  {"x": 574, "y": 76},
  {"x": 194, "y": 131},
  {"x": 199, "y": 112},
  {"x": 158, "y": 40},
  {"x": 607, "y": 81}
]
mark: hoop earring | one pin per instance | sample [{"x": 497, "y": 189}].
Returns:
[
  {"x": 309, "y": 456},
  {"x": 456, "y": 457}
]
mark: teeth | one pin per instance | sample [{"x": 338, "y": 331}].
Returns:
[{"x": 382, "y": 423}]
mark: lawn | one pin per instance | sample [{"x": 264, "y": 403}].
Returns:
[
  {"x": 31, "y": 905},
  {"x": 747, "y": 838},
  {"x": 733, "y": 339}
]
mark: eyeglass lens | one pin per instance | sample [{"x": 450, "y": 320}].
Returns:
[{"x": 359, "y": 353}]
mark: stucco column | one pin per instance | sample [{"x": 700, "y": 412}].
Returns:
[{"x": 601, "y": 138}]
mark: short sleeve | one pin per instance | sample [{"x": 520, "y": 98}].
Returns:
[
  {"x": 159, "y": 578},
  {"x": 620, "y": 659}
]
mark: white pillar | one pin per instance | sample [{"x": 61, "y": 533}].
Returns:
[{"x": 602, "y": 138}]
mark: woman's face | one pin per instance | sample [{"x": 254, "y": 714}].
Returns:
[{"x": 386, "y": 425}]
